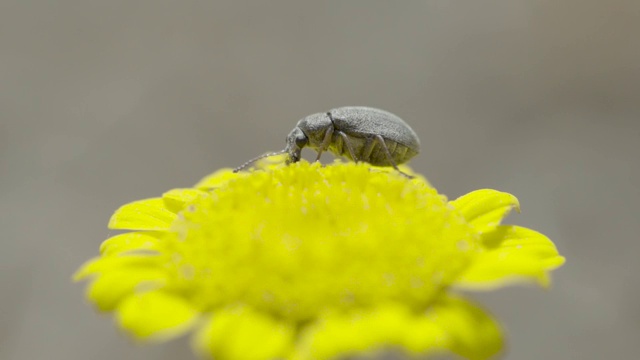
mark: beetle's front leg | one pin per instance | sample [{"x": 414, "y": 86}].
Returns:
[{"x": 325, "y": 142}]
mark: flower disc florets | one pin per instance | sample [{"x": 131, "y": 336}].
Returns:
[{"x": 305, "y": 238}]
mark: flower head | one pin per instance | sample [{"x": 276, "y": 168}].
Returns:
[{"x": 312, "y": 262}]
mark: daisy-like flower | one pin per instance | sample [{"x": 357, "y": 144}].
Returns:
[{"x": 306, "y": 262}]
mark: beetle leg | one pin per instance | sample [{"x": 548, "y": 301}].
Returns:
[
  {"x": 347, "y": 142},
  {"x": 368, "y": 149},
  {"x": 325, "y": 142},
  {"x": 388, "y": 154}
]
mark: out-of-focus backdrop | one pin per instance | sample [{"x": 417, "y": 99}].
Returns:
[{"x": 104, "y": 102}]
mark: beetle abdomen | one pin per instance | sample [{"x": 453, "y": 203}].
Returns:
[
  {"x": 399, "y": 153},
  {"x": 371, "y": 151}
]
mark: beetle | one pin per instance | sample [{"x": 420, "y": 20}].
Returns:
[{"x": 358, "y": 133}]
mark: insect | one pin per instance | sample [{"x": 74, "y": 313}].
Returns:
[{"x": 358, "y": 133}]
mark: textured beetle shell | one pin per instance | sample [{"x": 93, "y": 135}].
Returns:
[{"x": 361, "y": 124}]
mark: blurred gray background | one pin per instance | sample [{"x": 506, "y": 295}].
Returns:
[{"x": 105, "y": 102}]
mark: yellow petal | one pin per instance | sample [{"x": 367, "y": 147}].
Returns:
[
  {"x": 513, "y": 254},
  {"x": 242, "y": 333},
  {"x": 156, "y": 315},
  {"x": 177, "y": 199},
  {"x": 100, "y": 265},
  {"x": 470, "y": 331},
  {"x": 109, "y": 289},
  {"x": 131, "y": 241},
  {"x": 451, "y": 325},
  {"x": 484, "y": 209},
  {"x": 149, "y": 214},
  {"x": 388, "y": 326}
]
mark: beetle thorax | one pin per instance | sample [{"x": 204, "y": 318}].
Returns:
[{"x": 315, "y": 127}]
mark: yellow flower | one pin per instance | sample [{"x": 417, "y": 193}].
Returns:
[{"x": 309, "y": 262}]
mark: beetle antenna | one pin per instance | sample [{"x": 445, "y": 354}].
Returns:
[{"x": 258, "y": 158}]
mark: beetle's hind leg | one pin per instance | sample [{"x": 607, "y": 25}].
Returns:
[
  {"x": 385, "y": 149},
  {"x": 369, "y": 144}
]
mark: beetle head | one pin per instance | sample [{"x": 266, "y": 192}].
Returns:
[{"x": 296, "y": 140}]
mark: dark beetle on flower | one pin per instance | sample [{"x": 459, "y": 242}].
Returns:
[{"x": 358, "y": 133}]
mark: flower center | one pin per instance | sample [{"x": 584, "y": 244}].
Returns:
[{"x": 299, "y": 239}]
